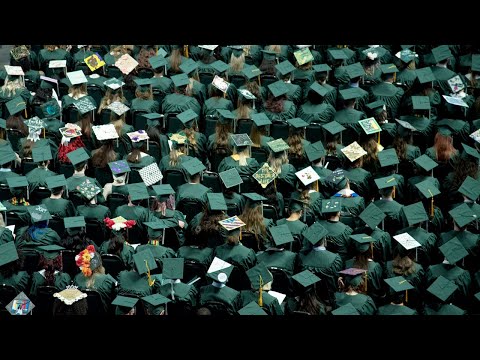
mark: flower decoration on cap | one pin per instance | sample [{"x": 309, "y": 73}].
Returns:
[
  {"x": 119, "y": 223},
  {"x": 87, "y": 260}
]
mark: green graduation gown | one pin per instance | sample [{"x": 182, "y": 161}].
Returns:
[
  {"x": 270, "y": 303},
  {"x": 61, "y": 280},
  {"x": 279, "y": 258},
  {"x": 202, "y": 256},
  {"x": 226, "y": 295},
  {"x": 130, "y": 283},
  {"x": 212, "y": 104},
  {"x": 19, "y": 281},
  {"x": 126, "y": 254},
  {"x": 36, "y": 178},
  {"x": 192, "y": 191},
  {"x": 375, "y": 283},
  {"x": 319, "y": 113},
  {"x": 230, "y": 163},
  {"x": 60, "y": 207},
  {"x": 5, "y": 235},
  {"x": 392, "y": 309},
  {"x": 237, "y": 255},
  {"x": 94, "y": 211},
  {"x": 289, "y": 111},
  {"x": 338, "y": 238},
  {"x": 362, "y": 303},
  {"x": 183, "y": 293},
  {"x": 104, "y": 284}
]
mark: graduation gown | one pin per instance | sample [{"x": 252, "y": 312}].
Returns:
[
  {"x": 36, "y": 178},
  {"x": 470, "y": 242},
  {"x": 279, "y": 258},
  {"x": 45, "y": 236},
  {"x": 289, "y": 111},
  {"x": 361, "y": 179},
  {"x": 417, "y": 279},
  {"x": 60, "y": 207},
  {"x": 150, "y": 106},
  {"x": 5, "y": 235},
  {"x": 226, "y": 295},
  {"x": 236, "y": 199},
  {"x": 230, "y": 163},
  {"x": 104, "y": 284},
  {"x": 94, "y": 211},
  {"x": 375, "y": 283},
  {"x": 362, "y": 303},
  {"x": 296, "y": 227},
  {"x": 75, "y": 180},
  {"x": 177, "y": 103},
  {"x": 61, "y": 280},
  {"x": 183, "y": 293},
  {"x": 192, "y": 191},
  {"x": 202, "y": 256},
  {"x": 137, "y": 213},
  {"x": 131, "y": 283},
  {"x": 444, "y": 309},
  {"x": 212, "y": 104},
  {"x": 388, "y": 93},
  {"x": 454, "y": 273},
  {"x": 158, "y": 251},
  {"x": 319, "y": 113},
  {"x": 19, "y": 281},
  {"x": 338, "y": 237},
  {"x": 393, "y": 220},
  {"x": 442, "y": 75},
  {"x": 392, "y": 309},
  {"x": 144, "y": 161},
  {"x": 165, "y": 163},
  {"x": 427, "y": 253},
  {"x": 270, "y": 303},
  {"x": 126, "y": 254},
  {"x": 237, "y": 255}
]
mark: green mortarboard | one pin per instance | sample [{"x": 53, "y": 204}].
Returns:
[
  {"x": 143, "y": 82},
  {"x": 281, "y": 234},
  {"x": 406, "y": 55},
  {"x": 252, "y": 72},
  {"x": 376, "y": 106},
  {"x": 16, "y": 105},
  {"x": 77, "y": 77},
  {"x": 252, "y": 308},
  {"x": 188, "y": 66},
  {"x": 319, "y": 89},
  {"x": 278, "y": 145},
  {"x": 471, "y": 151},
  {"x": 333, "y": 127},
  {"x": 220, "y": 66},
  {"x": 180, "y": 80},
  {"x": 297, "y": 123},
  {"x": 385, "y": 182},
  {"x": 226, "y": 116},
  {"x": 370, "y": 126},
  {"x": 455, "y": 125},
  {"x": 372, "y": 215},
  {"x": 442, "y": 288},
  {"x": 41, "y": 153},
  {"x": 216, "y": 202},
  {"x": 351, "y": 93},
  {"x": 427, "y": 188},
  {"x": 354, "y": 70},
  {"x": 320, "y": 68},
  {"x": 270, "y": 55},
  {"x": 462, "y": 215},
  {"x": 3, "y": 123},
  {"x": 56, "y": 181},
  {"x": 475, "y": 62},
  {"x": 306, "y": 278},
  {"x": 17, "y": 181},
  {"x": 415, "y": 213},
  {"x": 362, "y": 241},
  {"x": 315, "y": 233},
  {"x": 420, "y": 102},
  {"x": 154, "y": 301},
  {"x": 119, "y": 167},
  {"x": 353, "y": 276},
  {"x": 172, "y": 268},
  {"x": 153, "y": 119},
  {"x": 388, "y": 68},
  {"x": 113, "y": 83},
  {"x": 303, "y": 55},
  {"x": 137, "y": 191},
  {"x": 50, "y": 108},
  {"x": 163, "y": 190},
  {"x": 425, "y": 75},
  {"x": 155, "y": 228},
  {"x": 278, "y": 88},
  {"x": 78, "y": 156},
  {"x": 142, "y": 259},
  {"x": 74, "y": 222},
  {"x": 254, "y": 274},
  {"x": 388, "y": 157},
  {"x": 453, "y": 251},
  {"x": 50, "y": 251},
  {"x": 39, "y": 213},
  {"x": 337, "y": 54},
  {"x": 219, "y": 270},
  {"x": 399, "y": 283},
  {"x": 85, "y": 105},
  {"x": 337, "y": 178},
  {"x": 441, "y": 53},
  {"x": 88, "y": 189},
  {"x": 426, "y": 163},
  {"x": 254, "y": 198},
  {"x": 241, "y": 140},
  {"x": 157, "y": 61},
  {"x": 7, "y": 154},
  {"x": 125, "y": 302},
  {"x": 193, "y": 166},
  {"x": 230, "y": 178},
  {"x": 347, "y": 309},
  {"x": 8, "y": 253},
  {"x": 261, "y": 119},
  {"x": 187, "y": 117},
  {"x": 296, "y": 205},
  {"x": 331, "y": 205},
  {"x": 315, "y": 151},
  {"x": 285, "y": 67},
  {"x": 470, "y": 188},
  {"x": 236, "y": 50}
]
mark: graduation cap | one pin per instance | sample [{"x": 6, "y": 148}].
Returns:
[
  {"x": 241, "y": 140},
  {"x": 421, "y": 103},
  {"x": 70, "y": 131},
  {"x": 252, "y": 308},
  {"x": 398, "y": 284},
  {"x": 225, "y": 116},
  {"x": 441, "y": 53},
  {"x": 260, "y": 119},
  {"x": 219, "y": 270},
  {"x": 331, "y": 205},
  {"x": 306, "y": 278},
  {"x": 188, "y": 66},
  {"x": 470, "y": 188},
  {"x": 126, "y": 303},
  {"x": 321, "y": 68},
  {"x": 35, "y": 123},
  {"x": 126, "y": 63},
  {"x": 114, "y": 83},
  {"x": 8, "y": 253},
  {"x": 77, "y": 77},
  {"x": 163, "y": 191},
  {"x": 315, "y": 151},
  {"x": 237, "y": 50},
  {"x": 50, "y": 251},
  {"x": 278, "y": 88},
  {"x": 137, "y": 137},
  {"x": 337, "y": 54},
  {"x": 303, "y": 56},
  {"x": 372, "y": 215},
  {"x": 156, "y": 230},
  {"x": 278, "y": 145},
  {"x": 259, "y": 275},
  {"x": 296, "y": 205},
  {"x": 453, "y": 251},
  {"x": 363, "y": 242},
  {"x": 265, "y": 175},
  {"x": 7, "y": 154},
  {"x": 370, "y": 126},
  {"x": 388, "y": 68},
  {"x": 219, "y": 66},
  {"x": 230, "y": 178},
  {"x": 187, "y": 117},
  {"x": 157, "y": 61},
  {"x": 377, "y": 106},
  {"x": 151, "y": 174},
  {"x": 118, "y": 108},
  {"x": 39, "y": 213},
  {"x": 56, "y": 181},
  {"x": 425, "y": 75},
  {"x": 319, "y": 89},
  {"x": 285, "y": 67},
  {"x": 74, "y": 222},
  {"x": 388, "y": 157},
  {"x": 442, "y": 288},
  {"x": 406, "y": 55},
  {"x": 232, "y": 225},
  {"x": 415, "y": 213},
  {"x": 144, "y": 262},
  {"x": 354, "y": 70},
  {"x": 353, "y": 276},
  {"x": 252, "y": 71},
  {"x": 78, "y": 156},
  {"x": 315, "y": 233},
  {"x": 297, "y": 123},
  {"x": 119, "y": 167},
  {"x": 351, "y": 93},
  {"x": 3, "y": 123},
  {"x": 462, "y": 215},
  {"x": 337, "y": 179},
  {"x": 84, "y": 105},
  {"x": 471, "y": 151},
  {"x": 428, "y": 189},
  {"x": 180, "y": 80},
  {"x": 193, "y": 166},
  {"x": 143, "y": 82},
  {"x": 172, "y": 268},
  {"x": 88, "y": 189},
  {"x": 307, "y": 175},
  {"x": 347, "y": 309},
  {"x": 353, "y": 151},
  {"x": 16, "y": 105},
  {"x": 41, "y": 153},
  {"x": 216, "y": 202},
  {"x": 386, "y": 182},
  {"x": 407, "y": 242},
  {"x": 55, "y": 64},
  {"x": 152, "y": 118},
  {"x": 281, "y": 235},
  {"x": 154, "y": 303},
  {"x": 426, "y": 163},
  {"x": 254, "y": 199},
  {"x": 18, "y": 181},
  {"x": 137, "y": 191}
]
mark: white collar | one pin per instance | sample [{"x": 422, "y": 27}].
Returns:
[
  {"x": 218, "y": 285},
  {"x": 441, "y": 65},
  {"x": 42, "y": 272},
  {"x": 319, "y": 248},
  {"x": 5, "y": 170},
  {"x": 354, "y": 85}
]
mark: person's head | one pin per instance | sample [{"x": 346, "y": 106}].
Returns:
[
  {"x": 252, "y": 216},
  {"x": 237, "y": 60},
  {"x": 12, "y": 85},
  {"x": 276, "y": 160},
  {"x": 105, "y": 154},
  {"x": 294, "y": 140},
  {"x": 402, "y": 264},
  {"x": 50, "y": 265},
  {"x": 138, "y": 148},
  {"x": 203, "y": 311},
  {"x": 75, "y": 239},
  {"x": 117, "y": 241},
  {"x": 223, "y": 129},
  {"x": 70, "y": 301},
  {"x": 144, "y": 92},
  {"x": 176, "y": 58},
  {"x": 443, "y": 145},
  {"x": 16, "y": 122},
  {"x": 90, "y": 264},
  {"x": 349, "y": 283},
  {"x": 77, "y": 90}
]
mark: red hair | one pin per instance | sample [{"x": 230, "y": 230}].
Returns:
[{"x": 444, "y": 147}]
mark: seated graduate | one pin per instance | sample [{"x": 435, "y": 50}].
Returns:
[
  {"x": 120, "y": 171},
  {"x": 178, "y": 154},
  {"x": 70, "y": 301},
  {"x": 8, "y": 159},
  {"x": 75, "y": 237},
  {"x": 156, "y": 240},
  {"x": 117, "y": 245},
  {"x": 18, "y": 203},
  {"x": 139, "y": 158},
  {"x": 91, "y": 209},
  {"x": 193, "y": 189},
  {"x": 258, "y": 134},
  {"x": 10, "y": 265},
  {"x": 254, "y": 221},
  {"x": 36, "y": 177},
  {"x": 352, "y": 290},
  {"x": 241, "y": 158},
  {"x": 294, "y": 220},
  {"x": 308, "y": 301},
  {"x": 230, "y": 182},
  {"x": 56, "y": 204},
  {"x": 398, "y": 299},
  {"x": 439, "y": 298}
]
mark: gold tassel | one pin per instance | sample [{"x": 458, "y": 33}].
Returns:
[
  {"x": 406, "y": 296},
  {"x": 371, "y": 249},
  {"x": 224, "y": 94},
  {"x": 366, "y": 281},
  {"x": 240, "y": 235},
  {"x": 185, "y": 49},
  {"x": 431, "y": 204},
  {"x": 393, "y": 193},
  {"x": 259, "y": 82},
  {"x": 394, "y": 77},
  {"x": 150, "y": 281},
  {"x": 260, "y": 298},
  {"x": 316, "y": 185},
  {"x": 378, "y": 137},
  {"x": 25, "y": 113}
]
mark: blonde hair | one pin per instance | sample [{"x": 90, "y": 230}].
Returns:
[
  {"x": 175, "y": 156},
  {"x": 10, "y": 86},
  {"x": 175, "y": 60},
  {"x": 145, "y": 95},
  {"x": 243, "y": 110},
  {"x": 242, "y": 156},
  {"x": 91, "y": 279},
  {"x": 110, "y": 97},
  {"x": 256, "y": 136},
  {"x": 76, "y": 90},
  {"x": 275, "y": 48},
  {"x": 237, "y": 62},
  {"x": 276, "y": 162},
  {"x": 118, "y": 123},
  {"x": 190, "y": 133}
]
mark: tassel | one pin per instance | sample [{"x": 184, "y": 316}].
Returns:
[
  {"x": 25, "y": 113},
  {"x": 432, "y": 211},
  {"x": 185, "y": 49},
  {"x": 371, "y": 249},
  {"x": 406, "y": 296},
  {"x": 240, "y": 235},
  {"x": 316, "y": 185},
  {"x": 394, "y": 77},
  {"x": 393, "y": 193},
  {"x": 366, "y": 281},
  {"x": 173, "y": 296},
  {"x": 378, "y": 137},
  {"x": 150, "y": 281},
  {"x": 260, "y": 290},
  {"x": 224, "y": 94},
  {"x": 44, "y": 133},
  {"x": 259, "y": 82}
]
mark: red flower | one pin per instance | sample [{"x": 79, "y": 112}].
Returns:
[
  {"x": 130, "y": 223},
  {"x": 91, "y": 248}
]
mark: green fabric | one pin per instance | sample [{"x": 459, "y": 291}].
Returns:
[
  {"x": 391, "y": 309},
  {"x": 454, "y": 273},
  {"x": 61, "y": 280},
  {"x": 44, "y": 236},
  {"x": 144, "y": 161},
  {"x": 320, "y": 113},
  {"x": 5, "y": 235},
  {"x": 192, "y": 191},
  {"x": 104, "y": 284},
  {"x": 289, "y": 111},
  {"x": 226, "y": 295},
  {"x": 444, "y": 309},
  {"x": 137, "y": 213},
  {"x": 270, "y": 303},
  {"x": 158, "y": 251},
  {"x": 248, "y": 170},
  {"x": 130, "y": 283},
  {"x": 203, "y": 256},
  {"x": 212, "y": 104},
  {"x": 60, "y": 207},
  {"x": 126, "y": 254},
  {"x": 296, "y": 227},
  {"x": 237, "y": 255},
  {"x": 97, "y": 212},
  {"x": 19, "y": 281},
  {"x": 363, "y": 303},
  {"x": 76, "y": 180},
  {"x": 36, "y": 178},
  {"x": 338, "y": 238},
  {"x": 179, "y": 103},
  {"x": 183, "y": 293},
  {"x": 375, "y": 283},
  {"x": 164, "y": 163},
  {"x": 282, "y": 259}
]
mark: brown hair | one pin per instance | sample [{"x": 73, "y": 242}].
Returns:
[
  {"x": 253, "y": 219},
  {"x": 110, "y": 97},
  {"x": 17, "y": 123},
  {"x": 275, "y": 105},
  {"x": 105, "y": 154},
  {"x": 144, "y": 93},
  {"x": 403, "y": 266},
  {"x": 175, "y": 155},
  {"x": 276, "y": 161},
  {"x": 222, "y": 131},
  {"x": 370, "y": 146},
  {"x": 294, "y": 140},
  {"x": 175, "y": 60},
  {"x": 463, "y": 167},
  {"x": 26, "y": 150},
  {"x": 76, "y": 90},
  {"x": 85, "y": 124},
  {"x": 190, "y": 134},
  {"x": 443, "y": 146},
  {"x": 400, "y": 146}
]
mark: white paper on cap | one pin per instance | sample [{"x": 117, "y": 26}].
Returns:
[
  {"x": 218, "y": 264},
  {"x": 407, "y": 241},
  {"x": 279, "y": 296}
]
